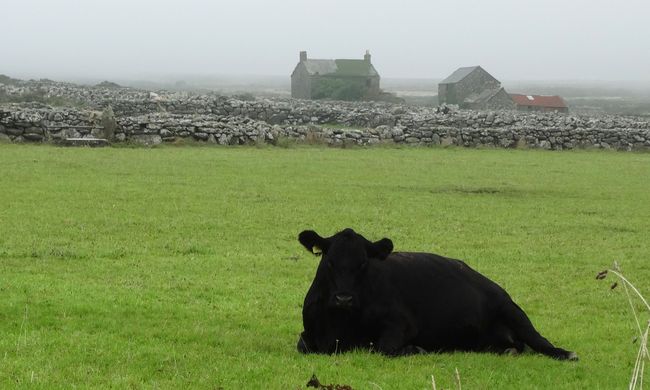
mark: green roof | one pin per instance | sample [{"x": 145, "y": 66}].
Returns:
[
  {"x": 343, "y": 68},
  {"x": 354, "y": 68}
]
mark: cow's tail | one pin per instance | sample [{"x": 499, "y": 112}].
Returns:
[{"x": 520, "y": 324}]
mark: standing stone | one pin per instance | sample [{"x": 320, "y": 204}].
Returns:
[{"x": 109, "y": 123}]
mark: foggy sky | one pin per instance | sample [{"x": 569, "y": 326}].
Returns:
[{"x": 511, "y": 39}]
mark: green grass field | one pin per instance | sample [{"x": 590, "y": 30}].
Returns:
[{"x": 180, "y": 267}]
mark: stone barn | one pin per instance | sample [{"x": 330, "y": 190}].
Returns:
[
  {"x": 473, "y": 87},
  {"x": 539, "y": 103},
  {"x": 341, "y": 79}
]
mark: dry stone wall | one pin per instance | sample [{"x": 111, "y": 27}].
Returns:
[
  {"x": 154, "y": 118},
  {"x": 39, "y": 123}
]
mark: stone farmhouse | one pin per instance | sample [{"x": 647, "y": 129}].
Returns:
[
  {"x": 539, "y": 103},
  {"x": 342, "y": 79},
  {"x": 473, "y": 87}
]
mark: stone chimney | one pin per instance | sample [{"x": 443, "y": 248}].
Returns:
[
  {"x": 303, "y": 56},
  {"x": 366, "y": 56}
]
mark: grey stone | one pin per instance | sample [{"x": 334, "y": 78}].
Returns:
[
  {"x": 147, "y": 139},
  {"x": 97, "y": 132},
  {"x": 90, "y": 141},
  {"x": 397, "y": 131},
  {"x": 33, "y": 137},
  {"x": 447, "y": 141},
  {"x": 201, "y": 136},
  {"x": 506, "y": 143},
  {"x": 521, "y": 143}
]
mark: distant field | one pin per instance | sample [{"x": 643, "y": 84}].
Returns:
[{"x": 180, "y": 268}]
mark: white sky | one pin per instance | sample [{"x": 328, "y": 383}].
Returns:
[{"x": 511, "y": 39}]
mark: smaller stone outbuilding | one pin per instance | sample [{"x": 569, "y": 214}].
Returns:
[
  {"x": 473, "y": 87},
  {"x": 341, "y": 79},
  {"x": 539, "y": 103}
]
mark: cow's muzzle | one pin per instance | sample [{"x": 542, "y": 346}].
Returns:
[{"x": 343, "y": 300}]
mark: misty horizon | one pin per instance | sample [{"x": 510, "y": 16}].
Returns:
[{"x": 143, "y": 40}]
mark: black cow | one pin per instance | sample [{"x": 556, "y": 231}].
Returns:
[{"x": 364, "y": 296}]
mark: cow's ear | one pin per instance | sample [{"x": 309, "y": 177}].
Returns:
[
  {"x": 313, "y": 242},
  {"x": 380, "y": 249}
]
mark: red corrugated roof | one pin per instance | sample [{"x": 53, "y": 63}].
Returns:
[{"x": 538, "y": 100}]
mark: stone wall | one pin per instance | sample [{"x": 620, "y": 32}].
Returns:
[
  {"x": 38, "y": 123},
  {"x": 231, "y": 121},
  {"x": 163, "y": 116}
]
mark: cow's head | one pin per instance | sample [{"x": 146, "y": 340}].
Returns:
[{"x": 344, "y": 262}]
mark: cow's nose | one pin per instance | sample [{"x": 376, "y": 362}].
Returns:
[{"x": 342, "y": 299}]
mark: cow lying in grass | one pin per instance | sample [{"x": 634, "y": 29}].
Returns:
[{"x": 365, "y": 296}]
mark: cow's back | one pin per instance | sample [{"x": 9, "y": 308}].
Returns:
[
  {"x": 445, "y": 297},
  {"x": 428, "y": 272}
]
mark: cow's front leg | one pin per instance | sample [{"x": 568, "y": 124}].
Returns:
[
  {"x": 393, "y": 344},
  {"x": 303, "y": 345},
  {"x": 395, "y": 339},
  {"x": 324, "y": 344}
]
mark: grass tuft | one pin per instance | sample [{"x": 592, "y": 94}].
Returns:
[{"x": 636, "y": 380}]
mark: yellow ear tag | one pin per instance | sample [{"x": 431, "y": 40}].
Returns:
[{"x": 316, "y": 250}]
